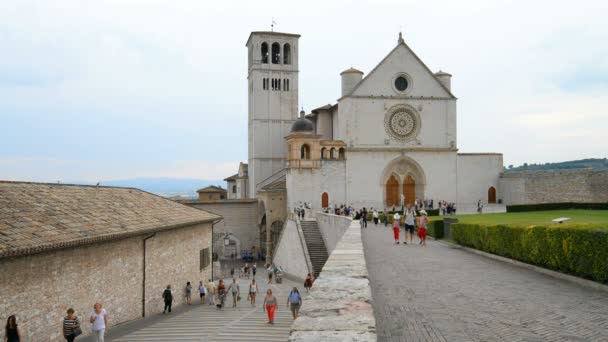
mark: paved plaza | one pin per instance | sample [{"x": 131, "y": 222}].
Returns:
[
  {"x": 200, "y": 323},
  {"x": 444, "y": 293}
]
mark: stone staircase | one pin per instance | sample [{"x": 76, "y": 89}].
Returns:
[{"x": 315, "y": 245}]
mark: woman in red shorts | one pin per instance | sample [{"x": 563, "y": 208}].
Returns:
[
  {"x": 396, "y": 226},
  {"x": 424, "y": 220}
]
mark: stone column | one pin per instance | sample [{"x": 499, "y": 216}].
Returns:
[{"x": 268, "y": 239}]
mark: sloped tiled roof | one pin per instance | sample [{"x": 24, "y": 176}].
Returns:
[
  {"x": 37, "y": 217},
  {"x": 211, "y": 188},
  {"x": 233, "y": 177}
]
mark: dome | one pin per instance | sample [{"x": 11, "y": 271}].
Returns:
[
  {"x": 351, "y": 70},
  {"x": 302, "y": 125}
]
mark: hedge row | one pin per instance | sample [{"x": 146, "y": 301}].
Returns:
[
  {"x": 581, "y": 250},
  {"x": 556, "y": 206},
  {"x": 435, "y": 229}
]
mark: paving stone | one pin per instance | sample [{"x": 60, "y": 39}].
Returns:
[{"x": 442, "y": 293}]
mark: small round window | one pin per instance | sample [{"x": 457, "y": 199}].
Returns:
[{"x": 401, "y": 83}]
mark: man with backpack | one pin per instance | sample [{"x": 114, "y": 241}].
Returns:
[{"x": 168, "y": 297}]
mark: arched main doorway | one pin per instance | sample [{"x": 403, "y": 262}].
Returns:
[
  {"x": 402, "y": 177},
  {"x": 409, "y": 190},
  {"x": 492, "y": 195},
  {"x": 324, "y": 200},
  {"x": 392, "y": 191}
]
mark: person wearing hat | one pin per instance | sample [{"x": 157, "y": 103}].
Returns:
[{"x": 423, "y": 222}]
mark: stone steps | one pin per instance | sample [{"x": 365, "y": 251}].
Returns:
[
  {"x": 315, "y": 245},
  {"x": 206, "y": 323}
]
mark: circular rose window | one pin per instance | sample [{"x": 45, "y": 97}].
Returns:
[
  {"x": 402, "y": 123},
  {"x": 401, "y": 83}
]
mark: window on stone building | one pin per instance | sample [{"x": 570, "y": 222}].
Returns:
[
  {"x": 205, "y": 258},
  {"x": 332, "y": 153},
  {"x": 341, "y": 154},
  {"x": 234, "y": 189},
  {"x": 276, "y": 53},
  {"x": 265, "y": 53},
  {"x": 287, "y": 88},
  {"x": 286, "y": 54},
  {"x": 323, "y": 153},
  {"x": 305, "y": 152}
]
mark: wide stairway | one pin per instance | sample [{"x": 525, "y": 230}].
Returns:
[{"x": 315, "y": 244}]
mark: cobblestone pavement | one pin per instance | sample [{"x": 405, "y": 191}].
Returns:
[
  {"x": 444, "y": 293},
  {"x": 206, "y": 323}
]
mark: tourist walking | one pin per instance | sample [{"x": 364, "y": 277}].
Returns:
[
  {"x": 396, "y": 226},
  {"x": 71, "y": 326},
  {"x": 188, "y": 293},
  {"x": 270, "y": 305},
  {"x": 269, "y": 274},
  {"x": 221, "y": 293},
  {"x": 424, "y": 220},
  {"x": 410, "y": 223},
  {"x": 168, "y": 297},
  {"x": 12, "y": 332},
  {"x": 210, "y": 287},
  {"x": 363, "y": 218},
  {"x": 375, "y": 216},
  {"x": 202, "y": 291},
  {"x": 308, "y": 282},
  {"x": 294, "y": 301},
  {"x": 253, "y": 291},
  {"x": 385, "y": 217},
  {"x": 254, "y": 269},
  {"x": 235, "y": 289},
  {"x": 99, "y": 318}
]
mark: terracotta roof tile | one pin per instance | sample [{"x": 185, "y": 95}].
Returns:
[{"x": 36, "y": 217}]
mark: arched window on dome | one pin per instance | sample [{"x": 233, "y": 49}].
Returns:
[
  {"x": 276, "y": 53},
  {"x": 323, "y": 153},
  {"x": 286, "y": 54},
  {"x": 332, "y": 153},
  {"x": 341, "y": 153},
  {"x": 305, "y": 152},
  {"x": 264, "y": 55}
]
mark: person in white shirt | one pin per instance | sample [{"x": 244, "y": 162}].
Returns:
[
  {"x": 375, "y": 216},
  {"x": 99, "y": 318},
  {"x": 410, "y": 223},
  {"x": 396, "y": 226}
]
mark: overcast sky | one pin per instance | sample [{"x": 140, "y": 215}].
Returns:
[{"x": 101, "y": 90}]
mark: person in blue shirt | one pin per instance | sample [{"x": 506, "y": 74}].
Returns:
[{"x": 294, "y": 301}]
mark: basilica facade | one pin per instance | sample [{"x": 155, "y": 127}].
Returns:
[{"x": 390, "y": 138}]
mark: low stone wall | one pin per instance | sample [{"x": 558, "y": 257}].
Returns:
[
  {"x": 553, "y": 186},
  {"x": 291, "y": 252},
  {"x": 332, "y": 228},
  {"x": 338, "y": 307}
]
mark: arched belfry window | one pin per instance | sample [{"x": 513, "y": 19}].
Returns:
[
  {"x": 305, "y": 152},
  {"x": 341, "y": 154},
  {"x": 286, "y": 54},
  {"x": 264, "y": 53},
  {"x": 276, "y": 53},
  {"x": 323, "y": 153},
  {"x": 332, "y": 153}
]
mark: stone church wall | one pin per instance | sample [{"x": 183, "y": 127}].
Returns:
[
  {"x": 530, "y": 187},
  {"x": 290, "y": 254},
  {"x": 240, "y": 218},
  {"x": 310, "y": 184},
  {"x": 477, "y": 172},
  {"x": 40, "y": 288}
]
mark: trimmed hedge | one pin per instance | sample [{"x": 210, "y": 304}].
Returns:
[
  {"x": 435, "y": 229},
  {"x": 555, "y": 206},
  {"x": 580, "y": 250}
]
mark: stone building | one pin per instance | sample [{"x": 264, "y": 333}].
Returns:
[
  {"x": 65, "y": 246},
  {"x": 211, "y": 193},
  {"x": 390, "y": 138},
  {"x": 238, "y": 184}
]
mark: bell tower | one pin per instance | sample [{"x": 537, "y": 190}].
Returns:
[{"x": 273, "y": 101}]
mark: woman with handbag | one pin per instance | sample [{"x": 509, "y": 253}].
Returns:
[{"x": 71, "y": 326}]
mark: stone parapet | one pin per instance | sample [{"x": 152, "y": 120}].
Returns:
[{"x": 338, "y": 307}]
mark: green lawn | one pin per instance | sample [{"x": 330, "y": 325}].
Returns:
[{"x": 537, "y": 217}]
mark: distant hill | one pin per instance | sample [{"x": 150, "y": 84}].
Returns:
[
  {"x": 168, "y": 187},
  {"x": 593, "y": 163}
]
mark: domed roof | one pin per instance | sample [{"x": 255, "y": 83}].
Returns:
[
  {"x": 302, "y": 125},
  {"x": 351, "y": 70}
]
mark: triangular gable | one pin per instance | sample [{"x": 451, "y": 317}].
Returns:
[{"x": 401, "y": 59}]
